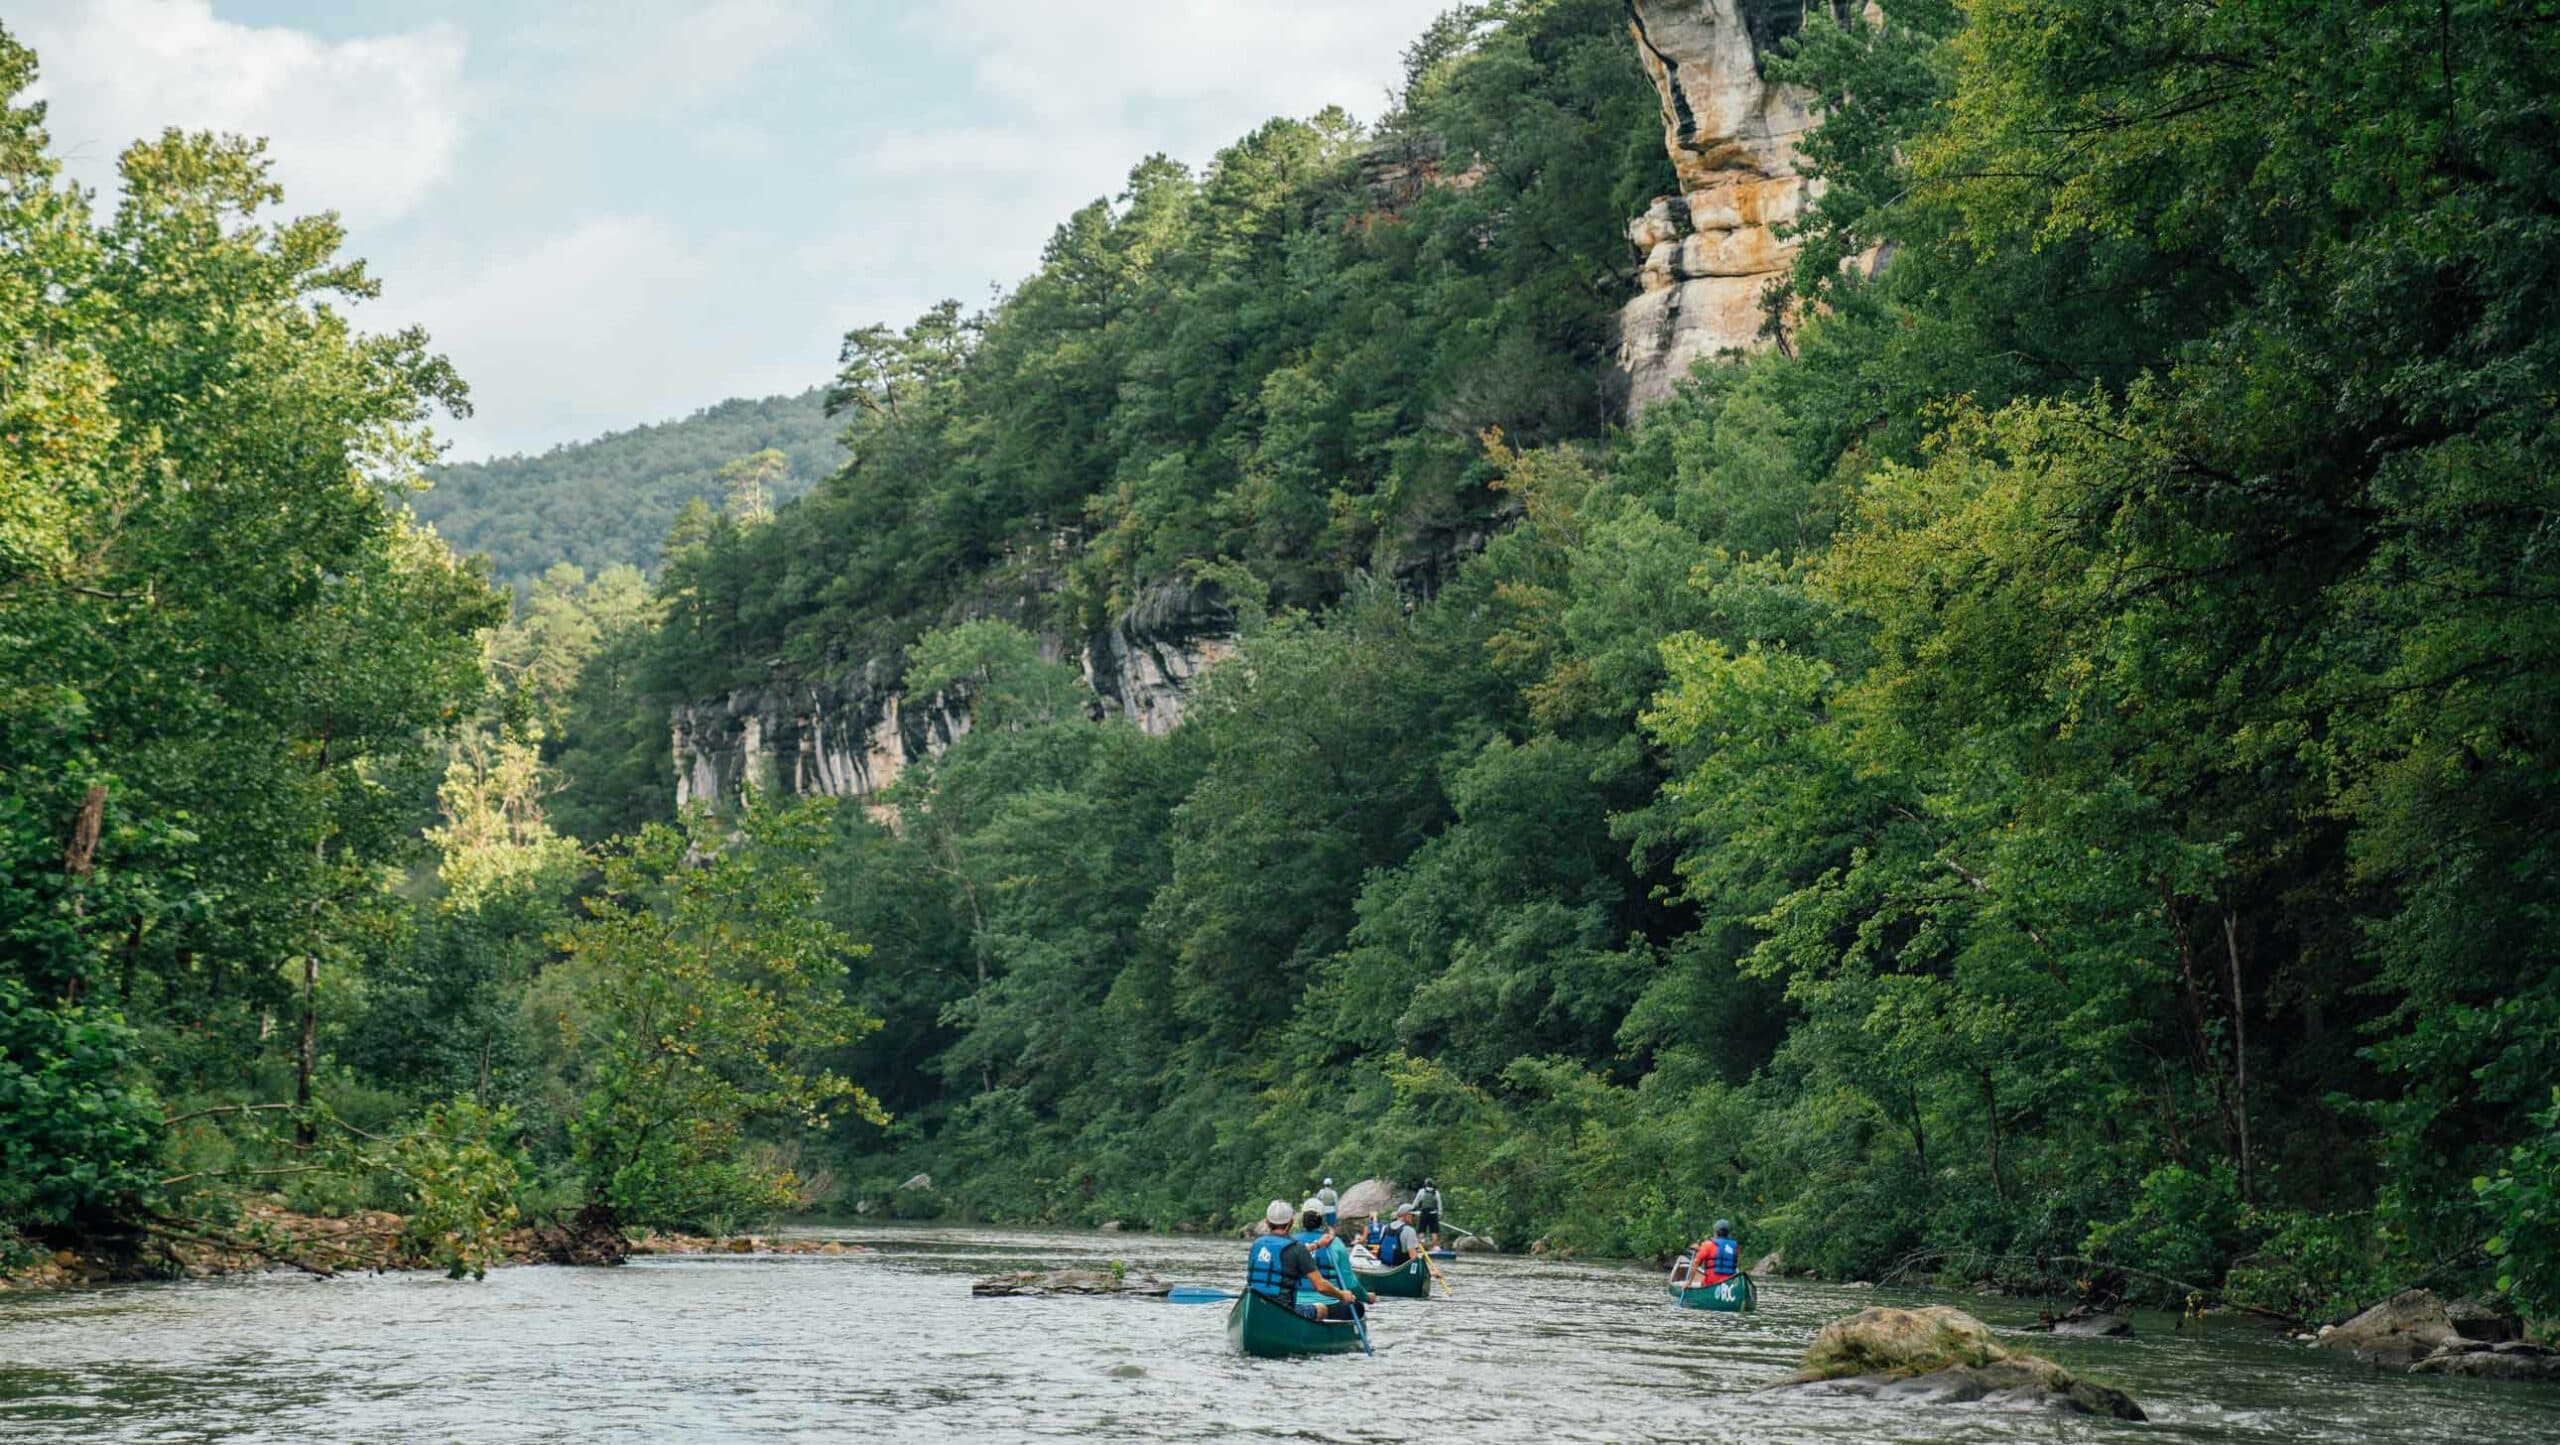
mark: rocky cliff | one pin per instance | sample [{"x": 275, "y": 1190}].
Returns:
[
  {"x": 852, "y": 736},
  {"x": 1711, "y": 251}
]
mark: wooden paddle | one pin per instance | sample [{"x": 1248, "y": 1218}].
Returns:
[{"x": 1434, "y": 1266}]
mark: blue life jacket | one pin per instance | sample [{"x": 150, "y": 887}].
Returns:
[
  {"x": 1262, "y": 1269},
  {"x": 1373, "y": 1234},
  {"x": 1391, "y": 1247},
  {"x": 1725, "y": 1260},
  {"x": 1338, "y": 1271}
]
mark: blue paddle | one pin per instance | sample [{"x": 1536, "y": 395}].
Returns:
[{"x": 1197, "y": 1294}]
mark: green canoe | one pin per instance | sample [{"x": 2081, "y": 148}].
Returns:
[
  {"x": 1259, "y": 1327},
  {"x": 1733, "y": 1295},
  {"x": 1409, "y": 1280}
]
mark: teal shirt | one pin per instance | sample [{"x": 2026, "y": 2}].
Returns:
[{"x": 1335, "y": 1260}]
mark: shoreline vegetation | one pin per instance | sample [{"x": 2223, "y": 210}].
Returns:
[
  {"x": 2045, "y": 761},
  {"x": 267, "y": 1237}
]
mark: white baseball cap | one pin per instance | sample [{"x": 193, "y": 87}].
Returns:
[
  {"x": 1279, "y": 1212},
  {"x": 1312, "y": 1206}
]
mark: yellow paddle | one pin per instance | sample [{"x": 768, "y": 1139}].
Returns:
[{"x": 1434, "y": 1266}]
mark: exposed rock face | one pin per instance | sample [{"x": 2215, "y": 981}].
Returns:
[
  {"x": 1145, "y": 663},
  {"x": 853, "y": 737},
  {"x": 847, "y": 739},
  {"x": 1711, "y": 251},
  {"x": 1943, "y": 1356}
]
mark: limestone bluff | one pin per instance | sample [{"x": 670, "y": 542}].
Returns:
[
  {"x": 1709, "y": 255},
  {"x": 1712, "y": 251},
  {"x": 852, "y": 736}
]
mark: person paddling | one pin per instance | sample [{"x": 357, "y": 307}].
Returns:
[
  {"x": 1332, "y": 1203},
  {"x": 1399, "y": 1242},
  {"x": 1717, "y": 1259},
  {"x": 1333, "y": 1257},
  {"x": 1278, "y": 1266}
]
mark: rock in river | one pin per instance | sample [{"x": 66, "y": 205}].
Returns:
[
  {"x": 1369, "y": 1196},
  {"x": 1067, "y": 1281},
  {"x": 1942, "y": 1356},
  {"x": 2416, "y": 1331},
  {"x": 2085, "y": 1322}
]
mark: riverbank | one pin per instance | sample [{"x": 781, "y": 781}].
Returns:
[{"x": 267, "y": 1237}]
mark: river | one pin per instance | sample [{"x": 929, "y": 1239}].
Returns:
[{"x": 891, "y": 1346}]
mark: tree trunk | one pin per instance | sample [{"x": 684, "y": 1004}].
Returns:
[
  {"x": 79, "y": 859},
  {"x": 308, "y": 1050},
  {"x": 1991, "y": 1112},
  {"x": 80, "y": 856},
  {"x": 2240, "y": 1061}
]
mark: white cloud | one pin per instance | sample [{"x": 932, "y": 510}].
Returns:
[
  {"x": 366, "y": 127},
  {"x": 1235, "y": 61},
  {"x": 582, "y": 330},
  {"x": 652, "y": 56},
  {"x": 610, "y": 322}
]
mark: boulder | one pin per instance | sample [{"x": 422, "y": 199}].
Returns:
[
  {"x": 920, "y": 1181},
  {"x": 2490, "y": 1319},
  {"x": 2086, "y": 1322},
  {"x": 2506, "y": 1360},
  {"x": 1772, "y": 1264},
  {"x": 2398, "y": 1332},
  {"x": 1942, "y": 1356},
  {"x": 1369, "y": 1196},
  {"x": 1112, "y": 1226},
  {"x": 1475, "y": 1244}
]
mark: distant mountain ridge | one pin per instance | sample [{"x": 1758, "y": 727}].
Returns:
[{"x": 611, "y": 500}]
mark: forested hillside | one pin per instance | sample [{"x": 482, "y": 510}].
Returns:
[
  {"x": 2040, "y": 765},
  {"x": 2049, "y": 762},
  {"x": 609, "y": 502}
]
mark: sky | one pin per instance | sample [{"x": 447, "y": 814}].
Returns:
[{"x": 617, "y": 212}]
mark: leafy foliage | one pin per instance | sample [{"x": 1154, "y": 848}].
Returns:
[
  {"x": 707, "y": 998},
  {"x": 608, "y": 503},
  {"x": 2037, "y": 773}
]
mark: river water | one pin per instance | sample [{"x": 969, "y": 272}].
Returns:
[{"x": 891, "y": 1346}]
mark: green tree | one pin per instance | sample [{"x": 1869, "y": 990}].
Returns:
[{"x": 706, "y": 996}]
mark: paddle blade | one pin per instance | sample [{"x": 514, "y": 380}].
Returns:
[{"x": 1197, "y": 1294}]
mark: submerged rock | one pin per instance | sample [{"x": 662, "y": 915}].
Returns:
[
  {"x": 1942, "y": 1356},
  {"x": 2085, "y": 1322},
  {"x": 1066, "y": 1281}
]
